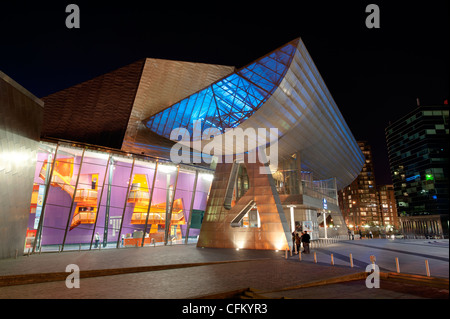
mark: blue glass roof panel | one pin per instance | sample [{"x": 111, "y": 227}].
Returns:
[{"x": 230, "y": 100}]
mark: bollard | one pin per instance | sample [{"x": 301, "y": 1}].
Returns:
[
  {"x": 315, "y": 258},
  {"x": 285, "y": 253},
  {"x": 351, "y": 260},
  {"x": 59, "y": 248},
  {"x": 397, "y": 265},
  {"x": 427, "y": 266},
  {"x": 332, "y": 260},
  {"x": 40, "y": 249},
  {"x": 79, "y": 248},
  {"x": 16, "y": 253},
  {"x": 300, "y": 255}
]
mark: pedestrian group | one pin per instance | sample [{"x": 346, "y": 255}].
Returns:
[{"x": 299, "y": 239}]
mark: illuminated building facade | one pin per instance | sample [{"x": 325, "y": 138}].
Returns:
[
  {"x": 105, "y": 177},
  {"x": 99, "y": 181},
  {"x": 317, "y": 154},
  {"x": 387, "y": 206},
  {"x": 358, "y": 201},
  {"x": 419, "y": 157}
]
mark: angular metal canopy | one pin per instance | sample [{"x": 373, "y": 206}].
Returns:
[{"x": 282, "y": 90}]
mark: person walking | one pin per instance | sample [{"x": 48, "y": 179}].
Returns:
[
  {"x": 297, "y": 242},
  {"x": 305, "y": 240},
  {"x": 97, "y": 239},
  {"x": 293, "y": 242}
]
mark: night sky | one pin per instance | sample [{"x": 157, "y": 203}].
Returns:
[{"x": 374, "y": 75}]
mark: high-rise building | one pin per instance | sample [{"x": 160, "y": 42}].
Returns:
[
  {"x": 358, "y": 201},
  {"x": 418, "y": 157},
  {"x": 387, "y": 206}
]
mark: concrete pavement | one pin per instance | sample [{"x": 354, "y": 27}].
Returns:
[{"x": 189, "y": 272}]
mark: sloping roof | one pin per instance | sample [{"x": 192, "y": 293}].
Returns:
[
  {"x": 96, "y": 111},
  {"x": 164, "y": 82},
  {"x": 283, "y": 91}
]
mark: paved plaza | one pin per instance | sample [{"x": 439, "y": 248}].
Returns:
[{"x": 190, "y": 272}]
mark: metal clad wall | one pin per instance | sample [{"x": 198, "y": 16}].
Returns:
[
  {"x": 309, "y": 121},
  {"x": 20, "y": 124},
  {"x": 96, "y": 111}
]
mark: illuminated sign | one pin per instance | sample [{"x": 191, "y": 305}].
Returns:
[
  {"x": 429, "y": 177},
  {"x": 412, "y": 178},
  {"x": 325, "y": 205}
]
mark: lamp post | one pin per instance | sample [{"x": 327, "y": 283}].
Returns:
[
  {"x": 291, "y": 208},
  {"x": 325, "y": 207}
]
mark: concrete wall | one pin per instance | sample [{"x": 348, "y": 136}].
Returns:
[{"x": 20, "y": 125}]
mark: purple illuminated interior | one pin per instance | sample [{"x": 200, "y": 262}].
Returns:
[{"x": 59, "y": 201}]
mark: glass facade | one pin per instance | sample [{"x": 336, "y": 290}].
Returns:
[
  {"x": 418, "y": 156},
  {"x": 418, "y": 148},
  {"x": 87, "y": 198},
  {"x": 231, "y": 100}
]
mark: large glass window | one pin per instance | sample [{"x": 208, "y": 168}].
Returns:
[
  {"x": 89, "y": 191},
  {"x": 60, "y": 202},
  {"x": 45, "y": 156},
  {"x": 101, "y": 200},
  {"x": 139, "y": 218},
  {"x": 199, "y": 206},
  {"x": 182, "y": 206},
  {"x": 114, "y": 203}
]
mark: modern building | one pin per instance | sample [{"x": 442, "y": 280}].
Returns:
[
  {"x": 358, "y": 201},
  {"x": 418, "y": 148},
  {"x": 257, "y": 204},
  {"x": 109, "y": 171},
  {"x": 387, "y": 207}
]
